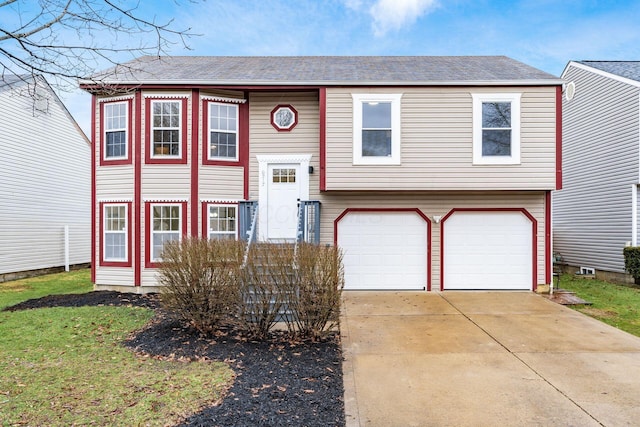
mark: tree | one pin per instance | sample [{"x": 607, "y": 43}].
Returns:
[{"x": 65, "y": 40}]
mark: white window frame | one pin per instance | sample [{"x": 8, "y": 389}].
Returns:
[
  {"x": 210, "y": 129},
  {"x": 210, "y": 232},
  {"x": 156, "y": 257},
  {"x": 358, "y": 100},
  {"x": 154, "y": 128},
  {"x": 106, "y": 130},
  {"x": 123, "y": 232},
  {"x": 478, "y": 100}
]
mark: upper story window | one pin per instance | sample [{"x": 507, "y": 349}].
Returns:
[
  {"x": 115, "y": 135},
  {"x": 223, "y": 132},
  {"x": 166, "y": 130},
  {"x": 376, "y": 129},
  {"x": 496, "y": 128}
]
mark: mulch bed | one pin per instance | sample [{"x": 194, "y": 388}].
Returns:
[{"x": 278, "y": 382}]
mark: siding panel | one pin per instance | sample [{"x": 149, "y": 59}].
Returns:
[
  {"x": 46, "y": 184},
  {"x": 592, "y": 213},
  {"x": 436, "y": 144},
  {"x": 436, "y": 203}
]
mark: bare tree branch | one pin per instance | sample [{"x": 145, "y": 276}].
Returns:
[{"x": 71, "y": 39}]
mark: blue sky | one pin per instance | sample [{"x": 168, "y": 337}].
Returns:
[{"x": 543, "y": 33}]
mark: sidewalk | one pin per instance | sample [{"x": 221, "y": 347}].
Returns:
[{"x": 483, "y": 359}]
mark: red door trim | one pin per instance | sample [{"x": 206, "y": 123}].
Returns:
[
  {"x": 391, "y": 210},
  {"x": 534, "y": 238}
]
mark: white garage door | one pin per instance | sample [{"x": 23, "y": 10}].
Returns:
[
  {"x": 488, "y": 250},
  {"x": 384, "y": 250}
]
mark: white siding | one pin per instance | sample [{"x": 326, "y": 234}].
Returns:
[
  {"x": 46, "y": 184},
  {"x": 593, "y": 212},
  {"x": 436, "y": 143}
]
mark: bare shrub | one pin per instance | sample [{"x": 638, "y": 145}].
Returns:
[
  {"x": 199, "y": 281},
  {"x": 314, "y": 302},
  {"x": 265, "y": 280}
]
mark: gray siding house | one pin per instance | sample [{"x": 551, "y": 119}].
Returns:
[
  {"x": 596, "y": 213},
  {"x": 45, "y": 171},
  {"x": 430, "y": 173}
]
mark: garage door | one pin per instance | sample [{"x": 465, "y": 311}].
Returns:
[
  {"x": 385, "y": 250},
  {"x": 487, "y": 250}
]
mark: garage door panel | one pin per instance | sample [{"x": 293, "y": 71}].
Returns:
[
  {"x": 384, "y": 250},
  {"x": 487, "y": 250}
]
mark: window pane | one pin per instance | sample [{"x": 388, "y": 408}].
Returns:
[
  {"x": 496, "y": 114},
  {"x": 376, "y": 115},
  {"x": 376, "y": 143},
  {"x": 116, "y": 144},
  {"x": 114, "y": 246},
  {"x": 496, "y": 142},
  {"x": 222, "y": 222}
]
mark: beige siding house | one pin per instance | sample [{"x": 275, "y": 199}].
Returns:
[{"x": 430, "y": 173}]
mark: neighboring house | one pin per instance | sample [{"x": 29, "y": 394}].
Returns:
[
  {"x": 45, "y": 170},
  {"x": 596, "y": 213},
  {"x": 429, "y": 172}
]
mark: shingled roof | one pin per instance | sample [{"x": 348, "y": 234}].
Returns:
[
  {"x": 323, "y": 70},
  {"x": 627, "y": 69}
]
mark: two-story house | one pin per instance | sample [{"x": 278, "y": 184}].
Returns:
[{"x": 430, "y": 173}]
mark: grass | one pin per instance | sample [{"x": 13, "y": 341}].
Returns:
[
  {"x": 74, "y": 282},
  {"x": 65, "y": 366},
  {"x": 616, "y": 305}
]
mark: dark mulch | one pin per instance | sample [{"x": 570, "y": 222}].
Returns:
[{"x": 278, "y": 382}]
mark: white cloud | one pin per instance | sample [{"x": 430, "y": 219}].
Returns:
[{"x": 391, "y": 15}]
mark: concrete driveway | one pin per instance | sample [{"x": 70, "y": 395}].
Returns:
[{"x": 483, "y": 359}]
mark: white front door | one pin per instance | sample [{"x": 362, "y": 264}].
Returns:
[
  {"x": 283, "y": 188},
  {"x": 284, "y": 179}
]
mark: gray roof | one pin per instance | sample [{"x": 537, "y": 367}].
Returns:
[
  {"x": 324, "y": 70},
  {"x": 628, "y": 69}
]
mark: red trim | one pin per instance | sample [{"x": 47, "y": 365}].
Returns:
[
  {"x": 295, "y": 118},
  {"x": 323, "y": 139},
  {"x": 390, "y": 210},
  {"x": 205, "y": 137},
  {"x": 126, "y": 263},
  {"x": 137, "y": 194},
  {"x": 244, "y": 142},
  {"x": 195, "y": 164},
  {"x": 94, "y": 100},
  {"x": 547, "y": 237},
  {"x": 534, "y": 238},
  {"x": 182, "y": 160},
  {"x": 558, "y": 138},
  {"x": 127, "y": 161},
  {"x": 147, "y": 227}
]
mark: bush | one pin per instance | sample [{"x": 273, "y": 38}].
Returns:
[
  {"x": 199, "y": 281},
  {"x": 632, "y": 261},
  {"x": 314, "y": 302},
  {"x": 205, "y": 284},
  {"x": 264, "y": 284}
]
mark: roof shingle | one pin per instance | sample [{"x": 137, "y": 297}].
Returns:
[
  {"x": 627, "y": 69},
  {"x": 323, "y": 70}
]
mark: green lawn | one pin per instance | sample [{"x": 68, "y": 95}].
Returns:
[
  {"x": 64, "y": 366},
  {"x": 617, "y": 305},
  {"x": 74, "y": 282}
]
